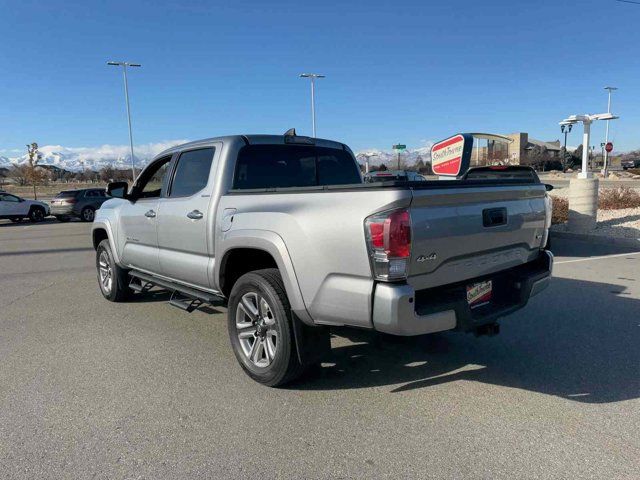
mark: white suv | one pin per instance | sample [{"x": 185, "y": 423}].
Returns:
[{"x": 15, "y": 208}]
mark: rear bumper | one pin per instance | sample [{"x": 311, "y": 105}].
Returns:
[
  {"x": 62, "y": 210},
  {"x": 400, "y": 310}
]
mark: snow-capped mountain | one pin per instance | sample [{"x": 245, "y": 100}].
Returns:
[
  {"x": 93, "y": 158},
  {"x": 390, "y": 157}
]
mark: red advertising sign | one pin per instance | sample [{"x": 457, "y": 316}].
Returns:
[{"x": 449, "y": 157}]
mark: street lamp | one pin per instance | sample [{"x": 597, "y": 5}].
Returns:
[
  {"x": 313, "y": 77},
  {"x": 605, "y": 168},
  {"x": 366, "y": 157},
  {"x": 566, "y": 129},
  {"x": 586, "y": 120},
  {"x": 124, "y": 66}
]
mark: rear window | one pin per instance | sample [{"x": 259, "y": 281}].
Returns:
[
  {"x": 67, "y": 194},
  {"x": 281, "y": 166}
]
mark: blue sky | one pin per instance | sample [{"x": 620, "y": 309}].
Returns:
[{"x": 405, "y": 72}]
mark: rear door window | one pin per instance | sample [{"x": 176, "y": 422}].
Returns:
[
  {"x": 67, "y": 194},
  {"x": 192, "y": 172},
  {"x": 282, "y": 166}
]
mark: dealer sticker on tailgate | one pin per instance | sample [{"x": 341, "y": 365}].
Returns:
[{"x": 479, "y": 293}]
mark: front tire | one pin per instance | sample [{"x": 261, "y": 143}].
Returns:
[
  {"x": 112, "y": 279},
  {"x": 261, "y": 328},
  {"x": 36, "y": 215}
]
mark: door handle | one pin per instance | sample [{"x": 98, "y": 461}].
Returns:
[
  {"x": 195, "y": 215},
  {"x": 150, "y": 214}
]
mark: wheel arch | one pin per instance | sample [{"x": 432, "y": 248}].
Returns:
[
  {"x": 248, "y": 250},
  {"x": 102, "y": 231}
]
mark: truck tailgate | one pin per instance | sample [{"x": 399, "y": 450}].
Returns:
[{"x": 461, "y": 233}]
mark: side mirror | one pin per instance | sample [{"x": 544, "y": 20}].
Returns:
[
  {"x": 117, "y": 189},
  {"x": 548, "y": 187}
]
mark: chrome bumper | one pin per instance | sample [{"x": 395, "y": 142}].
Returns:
[{"x": 400, "y": 310}]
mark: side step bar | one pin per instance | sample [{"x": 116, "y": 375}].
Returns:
[{"x": 183, "y": 297}]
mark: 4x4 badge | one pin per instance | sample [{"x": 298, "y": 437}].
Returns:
[{"x": 424, "y": 258}]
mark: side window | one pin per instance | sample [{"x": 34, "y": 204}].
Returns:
[
  {"x": 90, "y": 193},
  {"x": 150, "y": 185},
  {"x": 192, "y": 172},
  {"x": 9, "y": 198}
]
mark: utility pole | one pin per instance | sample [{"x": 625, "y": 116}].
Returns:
[
  {"x": 605, "y": 169},
  {"x": 313, "y": 77},
  {"x": 124, "y": 66}
]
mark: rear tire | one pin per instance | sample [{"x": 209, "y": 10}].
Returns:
[
  {"x": 36, "y": 214},
  {"x": 62, "y": 218},
  {"x": 87, "y": 214},
  {"x": 113, "y": 280},
  {"x": 261, "y": 328}
]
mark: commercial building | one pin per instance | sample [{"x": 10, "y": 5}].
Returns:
[{"x": 516, "y": 149}]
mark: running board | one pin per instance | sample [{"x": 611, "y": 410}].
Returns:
[{"x": 183, "y": 297}]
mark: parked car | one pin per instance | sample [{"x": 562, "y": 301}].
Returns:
[
  {"x": 16, "y": 208},
  {"x": 283, "y": 230},
  {"x": 80, "y": 204},
  {"x": 627, "y": 164},
  {"x": 394, "y": 176}
]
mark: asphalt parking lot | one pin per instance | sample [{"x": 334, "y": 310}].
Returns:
[{"x": 91, "y": 389}]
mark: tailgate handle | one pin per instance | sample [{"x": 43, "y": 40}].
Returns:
[{"x": 492, "y": 217}]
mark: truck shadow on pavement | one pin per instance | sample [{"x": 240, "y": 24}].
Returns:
[{"x": 578, "y": 340}]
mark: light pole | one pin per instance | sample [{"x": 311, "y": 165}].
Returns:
[
  {"x": 605, "y": 169},
  {"x": 366, "y": 157},
  {"x": 313, "y": 77},
  {"x": 124, "y": 66},
  {"x": 565, "y": 128}
]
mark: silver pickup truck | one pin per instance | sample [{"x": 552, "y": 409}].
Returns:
[{"x": 283, "y": 231}]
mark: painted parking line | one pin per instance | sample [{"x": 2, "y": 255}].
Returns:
[{"x": 602, "y": 257}]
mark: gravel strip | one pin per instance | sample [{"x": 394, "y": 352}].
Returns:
[{"x": 624, "y": 223}]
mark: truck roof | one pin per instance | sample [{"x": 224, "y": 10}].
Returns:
[{"x": 252, "y": 139}]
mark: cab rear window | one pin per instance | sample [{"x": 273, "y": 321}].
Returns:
[{"x": 282, "y": 166}]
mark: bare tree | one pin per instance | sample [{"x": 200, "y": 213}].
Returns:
[
  {"x": 18, "y": 173},
  {"x": 35, "y": 175}
]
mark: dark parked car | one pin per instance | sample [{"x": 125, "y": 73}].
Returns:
[
  {"x": 81, "y": 204},
  {"x": 635, "y": 163}
]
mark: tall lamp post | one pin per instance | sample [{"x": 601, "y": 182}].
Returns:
[
  {"x": 605, "y": 168},
  {"x": 366, "y": 157},
  {"x": 124, "y": 66},
  {"x": 566, "y": 129},
  {"x": 313, "y": 77}
]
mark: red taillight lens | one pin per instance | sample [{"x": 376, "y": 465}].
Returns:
[
  {"x": 389, "y": 238},
  {"x": 391, "y": 233},
  {"x": 377, "y": 234},
  {"x": 399, "y": 244}
]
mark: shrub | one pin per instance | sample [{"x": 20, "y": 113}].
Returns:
[
  {"x": 617, "y": 198},
  {"x": 560, "y": 212}
]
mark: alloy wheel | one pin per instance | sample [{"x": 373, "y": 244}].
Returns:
[
  {"x": 105, "y": 272},
  {"x": 257, "y": 329}
]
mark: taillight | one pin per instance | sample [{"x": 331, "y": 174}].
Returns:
[{"x": 389, "y": 242}]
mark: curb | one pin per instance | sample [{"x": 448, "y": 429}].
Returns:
[{"x": 597, "y": 239}]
